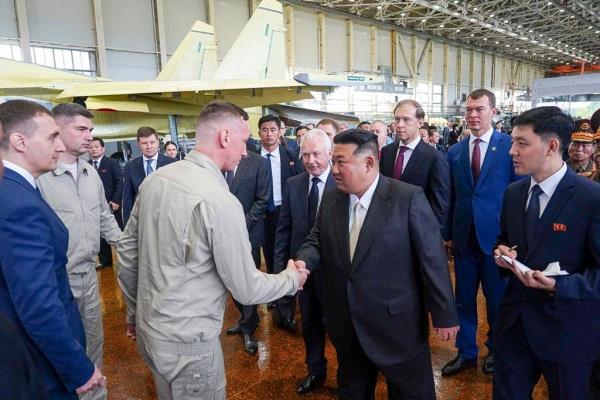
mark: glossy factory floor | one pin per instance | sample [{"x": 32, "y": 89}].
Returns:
[{"x": 272, "y": 373}]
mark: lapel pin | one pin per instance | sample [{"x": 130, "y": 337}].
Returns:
[{"x": 493, "y": 149}]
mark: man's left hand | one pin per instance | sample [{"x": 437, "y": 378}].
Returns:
[
  {"x": 537, "y": 280},
  {"x": 114, "y": 206},
  {"x": 446, "y": 333}
]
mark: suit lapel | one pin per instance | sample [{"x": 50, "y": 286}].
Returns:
[
  {"x": 561, "y": 196},
  {"x": 330, "y": 184},
  {"x": 302, "y": 196},
  {"x": 388, "y": 168},
  {"x": 374, "y": 219},
  {"x": 415, "y": 160},
  {"x": 240, "y": 172},
  {"x": 465, "y": 161},
  {"x": 490, "y": 155},
  {"x": 341, "y": 219},
  {"x": 517, "y": 221}
]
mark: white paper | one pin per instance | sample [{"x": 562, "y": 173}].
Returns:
[{"x": 553, "y": 269}]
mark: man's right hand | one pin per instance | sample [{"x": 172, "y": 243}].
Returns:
[
  {"x": 96, "y": 381},
  {"x": 503, "y": 250},
  {"x": 449, "y": 245},
  {"x": 300, "y": 268},
  {"x": 130, "y": 331}
]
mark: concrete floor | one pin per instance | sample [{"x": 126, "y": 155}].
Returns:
[{"x": 274, "y": 372}]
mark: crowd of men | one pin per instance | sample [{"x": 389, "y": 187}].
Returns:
[{"x": 355, "y": 225}]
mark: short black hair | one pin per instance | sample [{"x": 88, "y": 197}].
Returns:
[
  {"x": 18, "y": 116},
  {"x": 98, "y": 139},
  {"x": 479, "y": 93},
  {"x": 168, "y": 142},
  {"x": 364, "y": 123},
  {"x": 299, "y": 128},
  {"x": 548, "y": 122},
  {"x": 365, "y": 141},
  {"x": 71, "y": 110},
  {"x": 269, "y": 118}
]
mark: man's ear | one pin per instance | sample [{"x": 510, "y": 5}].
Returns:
[
  {"x": 224, "y": 137},
  {"x": 370, "y": 160},
  {"x": 18, "y": 141},
  {"x": 553, "y": 146}
]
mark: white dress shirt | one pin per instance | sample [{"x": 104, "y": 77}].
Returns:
[
  {"x": 153, "y": 163},
  {"x": 320, "y": 185},
  {"x": 98, "y": 161},
  {"x": 411, "y": 146},
  {"x": 275, "y": 173},
  {"x": 21, "y": 171},
  {"x": 548, "y": 187},
  {"x": 365, "y": 202},
  {"x": 483, "y": 145}
]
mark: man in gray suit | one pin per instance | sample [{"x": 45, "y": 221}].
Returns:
[
  {"x": 250, "y": 183},
  {"x": 384, "y": 268},
  {"x": 177, "y": 265}
]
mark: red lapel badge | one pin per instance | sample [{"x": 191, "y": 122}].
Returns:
[{"x": 559, "y": 227}]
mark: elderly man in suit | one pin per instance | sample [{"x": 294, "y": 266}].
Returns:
[
  {"x": 301, "y": 199},
  {"x": 176, "y": 290},
  {"x": 34, "y": 289},
  {"x": 112, "y": 180},
  {"x": 139, "y": 168},
  {"x": 413, "y": 161},
  {"x": 547, "y": 324},
  {"x": 481, "y": 169},
  {"x": 384, "y": 269},
  {"x": 250, "y": 183}
]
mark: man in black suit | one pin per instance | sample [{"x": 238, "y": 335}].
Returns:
[
  {"x": 301, "y": 199},
  {"x": 547, "y": 325},
  {"x": 138, "y": 168},
  {"x": 250, "y": 183},
  {"x": 283, "y": 165},
  {"x": 112, "y": 179},
  {"x": 384, "y": 268},
  {"x": 411, "y": 160}
]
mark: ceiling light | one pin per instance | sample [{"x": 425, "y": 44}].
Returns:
[
  {"x": 435, "y": 7},
  {"x": 402, "y": 15},
  {"x": 497, "y": 42},
  {"x": 475, "y": 9},
  {"x": 561, "y": 10},
  {"x": 597, "y": 31},
  {"x": 507, "y": 45},
  {"x": 517, "y": 48},
  {"x": 506, "y": 21},
  {"x": 572, "y": 16},
  {"x": 518, "y": 26},
  {"x": 530, "y": 31},
  {"x": 379, "y": 7},
  {"x": 525, "y": 51},
  {"x": 442, "y": 25},
  {"x": 472, "y": 34},
  {"x": 491, "y": 15},
  {"x": 541, "y": 35},
  {"x": 458, "y": 30},
  {"x": 485, "y": 39},
  {"x": 455, "y": 1}
]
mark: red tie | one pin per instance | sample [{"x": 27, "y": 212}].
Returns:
[
  {"x": 399, "y": 162},
  {"x": 476, "y": 160}
]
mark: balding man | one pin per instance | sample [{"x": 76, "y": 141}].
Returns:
[
  {"x": 176, "y": 266},
  {"x": 380, "y": 129}
]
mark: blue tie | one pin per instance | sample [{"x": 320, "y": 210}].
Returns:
[
  {"x": 271, "y": 205},
  {"x": 313, "y": 201},
  {"x": 149, "y": 169},
  {"x": 532, "y": 215}
]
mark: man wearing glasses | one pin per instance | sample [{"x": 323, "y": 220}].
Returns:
[{"x": 581, "y": 149}]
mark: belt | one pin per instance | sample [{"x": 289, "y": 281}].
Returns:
[{"x": 182, "y": 348}]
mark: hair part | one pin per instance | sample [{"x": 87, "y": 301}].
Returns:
[
  {"x": 18, "y": 116},
  {"x": 419, "y": 112},
  {"x": 71, "y": 110},
  {"x": 479, "y": 93},
  {"x": 365, "y": 141},
  {"x": 548, "y": 122},
  {"x": 316, "y": 134}
]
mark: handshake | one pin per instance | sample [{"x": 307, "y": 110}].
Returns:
[{"x": 299, "y": 267}]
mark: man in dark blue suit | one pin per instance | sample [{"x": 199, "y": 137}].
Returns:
[
  {"x": 283, "y": 164},
  {"x": 547, "y": 324},
  {"x": 384, "y": 270},
  {"x": 111, "y": 176},
  {"x": 480, "y": 169},
  {"x": 137, "y": 169},
  {"x": 301, "y": 199},
  {"x": 34, "y": 289},
  {"x": 413, "y": 161},
  {"x": 250, "y": 182}
]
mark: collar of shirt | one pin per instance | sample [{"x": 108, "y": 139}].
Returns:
[
  {"x": 486, "y": 137},
  {"x": 155, "y": 158},
  {"x": 21, "y": 171},
  {"x": 61, "y": 169},
  {"x": 413, "y": 144},
  {"x": 98, "y": 160},
  {"x": 550, "y": 184},
  {"x": 365, "y": 199},
  {"x": 274, "y": 153},
  {"x": 323, "y": 176}
]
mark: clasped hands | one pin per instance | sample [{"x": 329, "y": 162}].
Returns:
[
  {"x": 532, "y": 279},
  {"x": 299, "y": 267}
]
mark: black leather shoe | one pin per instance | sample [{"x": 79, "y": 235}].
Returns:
[
  {"x": 310, "y": 382},
  {"x": 234, "y": 330},
  {"x": 457, "y": 365},
  {"x": 488, "y": 364},
  {"x": 289, "y": 325},
  {"x": 250, "y": 345}
]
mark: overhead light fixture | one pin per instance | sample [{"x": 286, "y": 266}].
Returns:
[
  {"x": 484, "y": 39},
  {"x": 518, "y": 26},
  {"x": 517, "y": 48},
  {"x": 508, "y": 45},
  {"x": 475, "y": 9},
  {"x": 497, "y": 42},
  {"x": 531, "y": 31},
  {"x": 506, "y": 21},
  {"x": 442, "y": 25},
  {"x": 561, "y": 10},
  {"x": 402, "y": 15},
  {"x": 491, "y": 15},
  {"x": 458, "y": 30},
  {"x": 472, "y": 34},
  {"x": 572, "y": 16}
]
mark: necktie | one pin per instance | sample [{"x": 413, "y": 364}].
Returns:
[
  {"x": 357, "y": 221},
  {"x": 313, "y": 201},
  {"x": 476, "y": 160},
  {"x": 149, "y": 169},
  {"x": 228, "y": 177},
  {"x": 399, "y": 162},
  {"x": 271, "y": 205},
  {"x": 96, "y": 164},
  {"x": 532, "y": 215}
]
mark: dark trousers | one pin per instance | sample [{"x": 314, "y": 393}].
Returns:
[
  {"x": 313, "y": 328},
  {"x": 357, "y": 377},
  {"x": 517, "y": 370},
  {"x": 105, "y": 255},
  {"x": 249, "y": 318},
  {"x": 271, "y": 219},
  {"x": 473, "y": 268}
]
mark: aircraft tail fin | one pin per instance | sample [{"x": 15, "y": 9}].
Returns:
[
  {"x": 195, "y": 58},
  {"x": 259, "y": 50}
]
